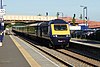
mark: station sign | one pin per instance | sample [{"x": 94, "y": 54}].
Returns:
[
  {"x": 1, "y": 19},
  {"x": 2, "y": 11}
]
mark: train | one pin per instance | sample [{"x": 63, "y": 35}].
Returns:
[{"x": 56, "y": 32}]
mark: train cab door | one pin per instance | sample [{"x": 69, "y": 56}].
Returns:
[{"x": 39, "y": 31}]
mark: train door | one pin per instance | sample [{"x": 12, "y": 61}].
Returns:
[{"x": 39, "y": 31}]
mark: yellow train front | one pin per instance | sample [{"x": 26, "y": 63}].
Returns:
[{"x": 59, "y": 33}]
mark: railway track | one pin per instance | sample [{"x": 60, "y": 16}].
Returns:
[
  {"x": 88, "y": 51},
  {"x": 79, "y": 57},
  {"x": 66, "y": 57}
]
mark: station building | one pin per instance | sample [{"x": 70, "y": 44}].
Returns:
[{"x": 91, "y": 24}]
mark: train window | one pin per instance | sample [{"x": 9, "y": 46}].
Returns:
[
  {"x": 31, "y": 30},
  {"x": 60, "y": 27}
]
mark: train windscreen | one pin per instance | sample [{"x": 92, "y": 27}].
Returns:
[{"x": 60, "y": 27}]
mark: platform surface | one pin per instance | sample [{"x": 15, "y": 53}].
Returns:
[
  {"x": 15, "y": 52},
  {"x": 91, "y": 43}
]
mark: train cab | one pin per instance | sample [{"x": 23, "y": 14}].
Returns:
[{"x": 60, "y": 33}]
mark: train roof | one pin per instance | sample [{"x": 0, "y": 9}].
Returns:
[
  {"x": 38, "y": 24},
  {"x": 35, "y": 24},
  {"x": 60, "y": 21},
  {"x": 55, "y": 21}
]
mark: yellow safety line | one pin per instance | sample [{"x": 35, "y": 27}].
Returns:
[{"x": 27, "y": 56}]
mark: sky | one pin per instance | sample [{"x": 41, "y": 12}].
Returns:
[{"x": 67, "y": 7}]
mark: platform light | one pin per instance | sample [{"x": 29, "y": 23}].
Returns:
[{"x": 84, "y": 17}]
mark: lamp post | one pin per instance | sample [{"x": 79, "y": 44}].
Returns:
[
  {"x": 47, "y": 16},
  {"x": 1, "y": 5},
  {"x": 58, "y": 13},
  {"x": 1, "y": 24},
  {"x": 2, "y": 12},
  {"x": 84, "y": 13}
]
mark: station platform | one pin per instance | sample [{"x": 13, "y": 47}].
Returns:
[
  {"x": 10, "y": 56},
  {"x": 17, "y": 53},
  {"x": 86, "y": 42}
]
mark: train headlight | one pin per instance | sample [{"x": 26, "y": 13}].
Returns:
[
  {"x": 54, "y": 35},
  {"x": 67, "y": 35},
  {"x": 0, "y": 33}
]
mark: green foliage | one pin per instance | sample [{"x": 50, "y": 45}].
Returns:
[{"x": 8, "y": 26}]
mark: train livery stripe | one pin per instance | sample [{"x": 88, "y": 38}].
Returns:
[
  {"x": 65, "y": 32},
  {"x": 27, "y": 56}
]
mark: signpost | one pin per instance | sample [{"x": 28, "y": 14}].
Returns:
[{"x": 2, "y": 12}]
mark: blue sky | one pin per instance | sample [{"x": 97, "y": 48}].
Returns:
[{"x": 68, "y": 7}]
